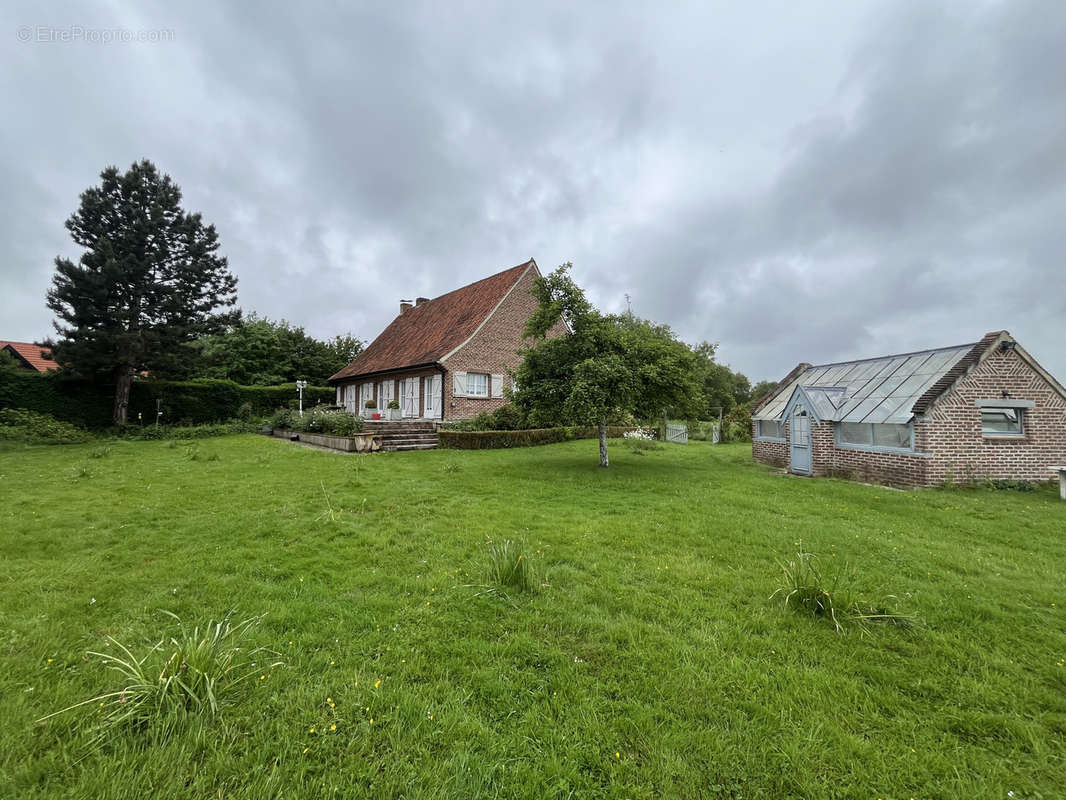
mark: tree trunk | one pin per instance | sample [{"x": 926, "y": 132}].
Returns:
[
  {"x": 122, "y": 396},
  {"x": 603, "y": 443}
]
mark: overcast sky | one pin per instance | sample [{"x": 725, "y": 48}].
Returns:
[{"x": 799, "y": 181}]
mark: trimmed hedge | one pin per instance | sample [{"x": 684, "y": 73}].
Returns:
[
  {"x": 495, "y": 440},
  {"x": 193, "y": 402}
]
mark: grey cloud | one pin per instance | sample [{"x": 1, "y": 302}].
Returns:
[{"x": 846, "y": 181}]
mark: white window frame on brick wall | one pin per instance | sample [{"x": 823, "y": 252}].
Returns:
[
  {"x": 477, "y": 384},
  {"x": 1019, "y": 407},
  {"x": 765, "y": 437},
  {"x": 871, "y": 447}
]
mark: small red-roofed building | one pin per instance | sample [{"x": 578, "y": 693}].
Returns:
[{"x": 30, "y": 355}]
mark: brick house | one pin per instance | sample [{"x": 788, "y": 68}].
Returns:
[
  {"x": 30, "y": 356},
  {"x": 985, "y": 409},
  {"x": 448, "y": 358}
]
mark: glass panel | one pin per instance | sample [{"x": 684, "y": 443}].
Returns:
[
  {"x": 771, "y": 428},
  {"x": 800, "y": 429},
  {"x": 891, "y": 435},
  {"x": 477, "y": 384},
  {"x": 1001, "y": 420},
  {"x": 855, "y": 433}
]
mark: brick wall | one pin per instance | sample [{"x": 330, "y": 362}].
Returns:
[
  {"x": 773, "y": 453},
  {"x": 952, "y": 430},
  {"x": 493, "y": 350},
  {"x": 948, "y": 441}
]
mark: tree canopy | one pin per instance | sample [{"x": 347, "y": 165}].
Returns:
[
  {"x": 723, "y": 389},
  {"x": 149, "y": 282},
  {"x": 603, "y": 367},
  {"x": 257, "y": 350}
]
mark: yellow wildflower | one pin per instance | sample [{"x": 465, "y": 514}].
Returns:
[
  {"x": 377, "y": 683},
  {"x": 333, "y": 727}
]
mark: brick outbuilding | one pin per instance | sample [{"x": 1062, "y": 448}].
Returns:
[
  {"x": 446, "y": 358},
  {"x": 953, "y": 414}
]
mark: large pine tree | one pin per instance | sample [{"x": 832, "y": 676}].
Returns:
[{"x": 150, "y": 281}]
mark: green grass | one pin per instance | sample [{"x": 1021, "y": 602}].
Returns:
[{"x": 652, "y": 664}]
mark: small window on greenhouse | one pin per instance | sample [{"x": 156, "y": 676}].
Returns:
[
  {"x": 771, "y": 429},
  {"x": 1001, "y": 421}
]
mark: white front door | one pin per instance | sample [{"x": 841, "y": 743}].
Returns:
[
  {"x": 411, "y": 403},
  {"x": 434, "y": 396}
]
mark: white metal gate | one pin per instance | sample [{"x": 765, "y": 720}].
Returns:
[{"x": 677, "y": 433}]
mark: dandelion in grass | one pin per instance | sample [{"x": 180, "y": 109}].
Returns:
[
  {"x": 377, "y": 683},
  {"x": 333, "y": 727}
]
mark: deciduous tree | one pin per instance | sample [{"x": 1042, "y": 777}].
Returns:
[{"x": 604, "y": 366}]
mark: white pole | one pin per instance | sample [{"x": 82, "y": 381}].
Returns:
[{"x": 300, "y": 385}]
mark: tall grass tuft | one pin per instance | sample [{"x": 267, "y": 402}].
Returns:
[
  {"x": 808, "y": 591},
  {"x": 511, "y": 568},
  {"x": 193, "y": 674}
]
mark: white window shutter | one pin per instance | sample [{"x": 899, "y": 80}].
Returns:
[
  {"x": 458, "y": 384},
  {"x": 338, "y": 396},
  {"x": 497, "y": 385}
]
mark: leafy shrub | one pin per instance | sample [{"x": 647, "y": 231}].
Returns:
[
  {"x": 195, "y": 672},
  {"x": 736, "y": 425},
  {"x": 394, "y": 404},
  {"x": 21, "y": 424},
  {"x": 505, "y": 418},
  {"x": 321, "y": 419},
  {"x": 1011, "y": 485},
  {"x": 495, "y": 440},
  {"x": 283, "y": 418},
  {"x": 807, "y": 591},
  {"x": 511, "y": 568}
]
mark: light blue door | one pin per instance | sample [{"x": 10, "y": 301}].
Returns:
[{"x": 800, "y": 441}]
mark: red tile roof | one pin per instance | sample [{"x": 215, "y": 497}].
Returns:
[
  {"x": 426, "y": 333},
  {"x": 31, "y": 354}
]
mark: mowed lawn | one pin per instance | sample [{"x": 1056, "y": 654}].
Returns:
[{"x": 653, "y": 664}]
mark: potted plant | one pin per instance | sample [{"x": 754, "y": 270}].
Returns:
[
  {"x": 371, "y": 407},
  {"x": 394, "y": 409}
]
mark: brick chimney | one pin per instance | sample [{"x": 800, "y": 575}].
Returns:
[
  {"x": 420, "y": 300},
  {"x": 405, "y": 305}
]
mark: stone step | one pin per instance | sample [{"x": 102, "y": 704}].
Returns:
[
  {"x": 394, "y": 447},
  {"x": 386, "y": 443}
]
